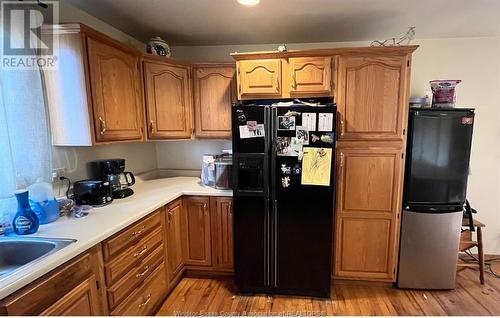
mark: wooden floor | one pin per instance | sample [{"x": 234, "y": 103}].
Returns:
[{"x": 209, "y": 296}]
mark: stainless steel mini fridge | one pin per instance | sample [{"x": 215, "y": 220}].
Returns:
[{"x": 437, "y": 166}]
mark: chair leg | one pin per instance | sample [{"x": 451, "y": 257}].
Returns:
[{"x": 480, "y": 254}]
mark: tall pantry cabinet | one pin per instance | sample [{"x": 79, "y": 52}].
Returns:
[{"x": 371, "y": 97}]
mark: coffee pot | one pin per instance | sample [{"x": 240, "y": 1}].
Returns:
[{"x": 113, "y": 171}]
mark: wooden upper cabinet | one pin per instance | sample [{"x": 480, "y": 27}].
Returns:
[
  {"x": 259, "y": 78},
  {"x": 372, "y": 97},
  {"x": 310, "y": 76},
  {"x": 168, "y": 100},
  {"x": 367, "y": 213},
  {"x": 197, "y": 249},
  {"x": 221, "y": 213},
  {"x": 175, "y": 260},
  {"x": 214, "y": 93},
  {"x": 116, "y": 92}
]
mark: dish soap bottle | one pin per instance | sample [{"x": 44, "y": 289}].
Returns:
[{"x": 25, "y": 221}]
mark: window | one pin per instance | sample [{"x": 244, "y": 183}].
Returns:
[{"x": 25, "y": 145}]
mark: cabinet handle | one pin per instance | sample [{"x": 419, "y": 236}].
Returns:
[
  {"x": 138, "y": 232},
  {"x": 341, "y": 160},
  {"x": 102, "y": 126},
  {"x": 146, "y": 269},
  {"x": 151, "y": 125},
  {"x": 277, "y": 84},
  {"x": 169, "y": 216},
  {"x": 148, "y": 299},
  {"x": 294, "y": 81},
  {"x": 342, "y": 128},
  {"x": 141, "y": 252}
]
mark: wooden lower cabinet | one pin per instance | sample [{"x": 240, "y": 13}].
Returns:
[
  {"x": 221, "y": 213},
  {"x": 369, "y": 189},
  {"x": 197, "y": 246},
  {"x": 83, "y": 300},
  {"x": 71, "y": 289},
  {"x": 174, "y": 238},
  {"x": 131, "y": 272}
]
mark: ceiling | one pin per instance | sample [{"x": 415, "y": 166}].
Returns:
[{"x": 217, "y": 22}]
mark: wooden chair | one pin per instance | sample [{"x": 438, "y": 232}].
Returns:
[{"x": 466, "y": 243}]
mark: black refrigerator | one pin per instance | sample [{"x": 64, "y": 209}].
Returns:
[
  {"x": 437, "y": 167},
  {"x": 283, "y": 192}
]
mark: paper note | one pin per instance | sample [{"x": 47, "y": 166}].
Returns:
[
  {"x": 309, "y": 121},
  {"x": 316, "y": 166},
  {"x": 325, "y": 122}
]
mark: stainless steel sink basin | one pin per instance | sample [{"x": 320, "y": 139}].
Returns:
[{"x": 18, "y": 252}]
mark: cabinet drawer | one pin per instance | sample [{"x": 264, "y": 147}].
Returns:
[
  {"x": 115, "y": 270},
  {"x": 134, "y": 277},
  {"x": 130, "y": 236},
  {"x": 146, "y": 297}
]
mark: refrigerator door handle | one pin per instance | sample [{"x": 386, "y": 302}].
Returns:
[{"x": 275, "y": 243}]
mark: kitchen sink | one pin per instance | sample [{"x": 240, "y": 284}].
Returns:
[{"x": 18, "y": 252}]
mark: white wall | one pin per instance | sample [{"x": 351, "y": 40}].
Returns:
[
  {"x": 473, "y": 60},
  {"x": 140, "y": 157}
]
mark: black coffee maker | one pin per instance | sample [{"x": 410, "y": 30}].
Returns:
[{"x": 113, "y": 171}]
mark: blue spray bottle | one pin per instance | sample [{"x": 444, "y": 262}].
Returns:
[{"x": 25, "y": 221}]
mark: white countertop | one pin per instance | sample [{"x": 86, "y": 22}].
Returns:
[{"x": 103, "y": 222}]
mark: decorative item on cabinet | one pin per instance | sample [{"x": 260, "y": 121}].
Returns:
[{"x": 158, "y": 46}]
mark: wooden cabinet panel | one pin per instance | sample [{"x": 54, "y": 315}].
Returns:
[
  {"x": 198, "y": 246},
  {"x": 259, "y": 78},
  {"x": 366, "y": 248},
  {"x": 175, "y": 235},
  {"x": 116, "y": 92},
  {"x": 214, "y": 93},
  {"x": 310, "y": 76},
  {"x": 83, "y": 300},
  {"x": 372, "y": 97},
  {"x": 369, "y": 180},
  {"x": 368, "y": 207},
  {"x": 168, "y": 100},
  {"x": 221, "y": 210}
]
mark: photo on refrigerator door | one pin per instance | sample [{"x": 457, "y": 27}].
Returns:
[{"x": 286, "y": 123}]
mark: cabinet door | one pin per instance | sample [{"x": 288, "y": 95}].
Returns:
[
  {"x": 83, "y": 300},
  {"x": 310, "y": 76},
  {"x": 221, "y": 210},
  {"x": 214, "y": 92},
  {"x": 259, "y": 78},
  {"x": 372, "y": 97},
  {"x": 168, "y": 100},
  {"x": 116, "y": 92},
  {"x": 174, "y": 239},
  {"x": 198, "y": 245},
  {"x": 367, "y": 214}
]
